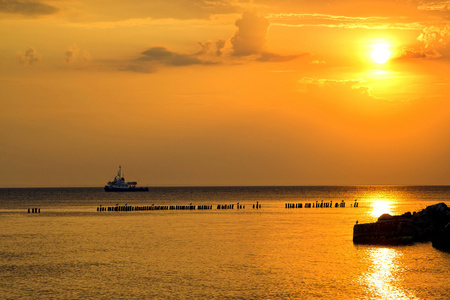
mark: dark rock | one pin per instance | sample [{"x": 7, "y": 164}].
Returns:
[
  {"x": 442, "y": 240},
  {"x": 429, "y": 224}
]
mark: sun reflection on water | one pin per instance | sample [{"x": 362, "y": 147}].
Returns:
[
  {"x": 380, "y": 207},
  {"x": 384, "y": 278}
]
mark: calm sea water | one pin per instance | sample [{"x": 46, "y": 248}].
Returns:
[{"x": 71, "y": 251}]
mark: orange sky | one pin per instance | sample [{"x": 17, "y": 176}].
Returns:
[{"x": 224, "y": 92}]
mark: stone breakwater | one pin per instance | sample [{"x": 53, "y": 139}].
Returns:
[{"x": 431, "y": 224}]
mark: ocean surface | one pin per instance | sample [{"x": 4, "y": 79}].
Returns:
[{"x": 72, "y": 251}]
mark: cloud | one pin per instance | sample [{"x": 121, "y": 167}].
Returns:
[
  {"x": 30, "y": 57},
  {"x": 435, "y": 36},
  {"x": 338, "y": 87},
  {"x": 28, "y": 8},
  {"x": 248, "y": 43},
  {"x": 273, "y": 57},
  {"x": 119, "y": 10},
  {"x": 163, "y": 56},
  {"x": 139, "y": 68},
  {"x": 155, "y": 57},
  {"x": 435, "y": 41},
  {"x": 206, "y": 46},
  {"x": 434, "y": 5},
  {"x": 250, "y": 38},
  {"x": 75, "y": 55},
  {"x": 346, "y": 22},
  {"x": 412, "y": 53},
  {"x": 220, "y": 44}
]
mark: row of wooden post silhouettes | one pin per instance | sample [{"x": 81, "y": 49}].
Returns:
[
  {"x": 319, "y": 204},
  {"x": 127, "y": 207},
  {"x": 209, "y": 207}
]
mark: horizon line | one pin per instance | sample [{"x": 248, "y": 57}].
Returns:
[{"x": 221, "y": 186}]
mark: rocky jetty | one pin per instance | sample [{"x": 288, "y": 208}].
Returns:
[{"x": 430, "y": 224}]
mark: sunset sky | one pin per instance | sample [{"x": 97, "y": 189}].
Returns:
[{"x": 224, "y": 92}]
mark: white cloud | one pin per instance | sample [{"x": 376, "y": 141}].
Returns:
[
  {"x": 250, "y": 38},
  {"x": 75, "y": 55}
]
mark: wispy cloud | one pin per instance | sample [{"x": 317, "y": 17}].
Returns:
[
  {"x": 274, "y": 57},
  {"x": 335, "y": 21},
  {"x": 434, "y": 5},
  {"x": 336, "y": 87}
]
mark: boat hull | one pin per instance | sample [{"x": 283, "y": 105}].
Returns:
[{"x": 133, "y": 189}]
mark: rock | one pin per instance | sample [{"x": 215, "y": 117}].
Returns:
[
  {"x": 429, "y": 224},
  {"x": 442, "y": 240}
]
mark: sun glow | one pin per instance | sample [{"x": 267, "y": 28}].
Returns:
[
  {"x": 380, "y": 53},
  {"x": 380, "y": 207}
]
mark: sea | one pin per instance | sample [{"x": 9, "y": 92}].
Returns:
[{"x": 254, "y": 246}]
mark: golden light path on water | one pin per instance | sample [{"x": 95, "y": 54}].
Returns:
[{"x": 384, "y": 278}]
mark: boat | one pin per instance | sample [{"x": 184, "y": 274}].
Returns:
[{"x": 120, "y": 185}]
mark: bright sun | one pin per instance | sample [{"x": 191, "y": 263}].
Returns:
[{"x": 380, "y": 53}]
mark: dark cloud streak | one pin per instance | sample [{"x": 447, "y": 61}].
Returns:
[
  {"x": 166, "y": 57},
  {"x": 273, "y": 57},
  {"x": 28, "y": 8},
  {"x": 154, "y": 57}
]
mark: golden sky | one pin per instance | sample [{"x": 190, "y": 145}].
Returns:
[{"x": 224, "y": 92}]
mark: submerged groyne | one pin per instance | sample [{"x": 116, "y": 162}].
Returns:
[{"x": 431, "y": 224}]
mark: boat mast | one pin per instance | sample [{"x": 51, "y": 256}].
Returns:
[{"x": 119, "y": 174}]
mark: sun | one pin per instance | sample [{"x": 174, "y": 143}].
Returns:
[
  {"x": 380, "y": 53},
  {"x": 380, "y": 207}
]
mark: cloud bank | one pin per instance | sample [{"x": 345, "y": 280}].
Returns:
[{"x": 247, "y": 43}]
